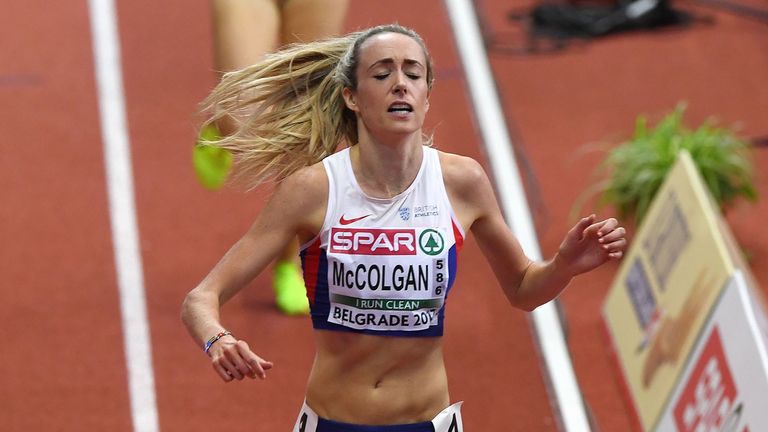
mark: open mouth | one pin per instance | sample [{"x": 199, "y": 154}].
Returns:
[{"x": 400, "y": 107}]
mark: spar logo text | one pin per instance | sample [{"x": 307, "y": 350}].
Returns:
[{"x": 366, "y": 241}]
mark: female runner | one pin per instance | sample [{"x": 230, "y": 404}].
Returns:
[{"x": 380, "y": 221}]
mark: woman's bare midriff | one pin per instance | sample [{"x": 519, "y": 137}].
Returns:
[{"x": 377, "y": 380}]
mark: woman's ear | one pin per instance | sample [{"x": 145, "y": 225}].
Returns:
[{"x": 349, "y": 99}]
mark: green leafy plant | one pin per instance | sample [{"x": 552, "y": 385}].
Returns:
[{"x": 637, "y": 168}]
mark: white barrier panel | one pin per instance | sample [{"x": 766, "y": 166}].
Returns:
[{"x": 725, "y": 384}]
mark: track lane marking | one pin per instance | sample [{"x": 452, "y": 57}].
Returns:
[
  {"x": 122, "y": 211},
  {"x": 563, "y": 387}
]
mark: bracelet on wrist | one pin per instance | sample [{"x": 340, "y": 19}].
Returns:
[{"x": 215, "y": 338}]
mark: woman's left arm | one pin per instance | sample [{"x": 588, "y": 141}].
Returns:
[{"x": 526, "y": 283}]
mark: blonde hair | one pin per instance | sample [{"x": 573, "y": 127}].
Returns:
[{"x": 288, "y": 110}]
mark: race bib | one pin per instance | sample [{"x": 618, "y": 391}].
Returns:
[{"x": 387, "y": 279}]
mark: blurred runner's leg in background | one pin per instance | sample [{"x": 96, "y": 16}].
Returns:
[{"x": 244, "y": 31}]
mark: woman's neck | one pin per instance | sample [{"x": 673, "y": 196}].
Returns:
[{"x": 384, "y": 170}]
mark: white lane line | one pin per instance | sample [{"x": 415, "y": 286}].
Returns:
[
  {"x": 568, "y": 401},
  {"x": 122, "y": 210}
]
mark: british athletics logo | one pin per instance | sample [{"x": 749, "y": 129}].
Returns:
[{"x": 364, "y": 241}]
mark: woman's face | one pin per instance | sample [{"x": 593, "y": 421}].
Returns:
[{"x": 392, "y": 90}]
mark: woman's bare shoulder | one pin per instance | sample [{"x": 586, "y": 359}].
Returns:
[
  {"x": 303, "y": 191},
  {"x": 302, "y": 197},
  {"x": 311, "y": 178},
  {"x": 461, "y": 173}
]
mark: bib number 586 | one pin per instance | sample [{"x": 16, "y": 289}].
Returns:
[{"x": 439, "y": 276}]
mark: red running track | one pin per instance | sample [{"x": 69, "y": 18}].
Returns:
[{"x": 63, "y": 365}]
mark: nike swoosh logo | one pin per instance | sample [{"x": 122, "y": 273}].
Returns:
[{"x": 353, "y": 220}]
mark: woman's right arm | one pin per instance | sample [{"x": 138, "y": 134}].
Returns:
[{"x": 297, "y": 207}]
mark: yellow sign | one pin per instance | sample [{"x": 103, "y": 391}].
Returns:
[{"x": 675, "y": 269}]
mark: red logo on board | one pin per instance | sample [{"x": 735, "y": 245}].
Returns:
[{"x": 709, "y": 396}]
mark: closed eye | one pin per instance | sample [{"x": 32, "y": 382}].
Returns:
[{"x": 382, "y": 77}]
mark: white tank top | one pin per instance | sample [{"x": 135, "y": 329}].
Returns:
[{"x": 383, "y": 266}]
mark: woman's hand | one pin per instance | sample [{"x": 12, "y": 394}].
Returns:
[
  {"x": 233, "y": 359},
  {"x": 591, "y": 243}
]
